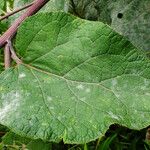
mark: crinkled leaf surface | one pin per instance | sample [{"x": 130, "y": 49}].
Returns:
[
  {"x": 128, "y": 17},
  {"x": 78, "y": 78}
]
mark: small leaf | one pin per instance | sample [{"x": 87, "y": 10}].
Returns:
[{"x": 77, "y": 78}]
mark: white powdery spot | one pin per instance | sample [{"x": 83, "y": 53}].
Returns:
[
  {"x": 87, "y": 90},
  {"x": 59, "y": 117},
  {"x": 49, "y": 98},
  {"x": 83, "y": 99},
  {"x": 22, "y": 75},
  {"x": 135, "y": 111},
  {"x": 148, "y": 94},
  {"x": 146, "y": 82},
  {"x": 112, "y": 115},
  {"x": 34, "y": 80},
  {"x": 45, "y": 124},
  {"x": 11, "y": 102},
  {"x": 114, "y": 82},
  {"x": 90, "y": 121},
  {"x": 69, "y": 129},
  {"x": 143, "y": 87},
  {"x": 27, "y": 94},
  {"x": 80, "y": 87},
  {"x": 51, "y": 108},
  {"x": 31, "y": 123},
  {"x": 125, "y": 86},
  {"x": 117, "y": 94},
  {"x": 134, "y": 71}
]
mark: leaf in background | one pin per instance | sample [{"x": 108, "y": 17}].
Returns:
[
  {"x": 56, "y": 5},
  {"x": 78, "y": 78},
  {"x": 18, "y": 4},
  {"x": 131, "y": 18},
  {"x": 3, "y": 27},
  {"x": 1, "y": 6},
  {"x": 3, "y": 131},
  {"x": 13, "y": 140},
  {"x": 52, "y": 5}
]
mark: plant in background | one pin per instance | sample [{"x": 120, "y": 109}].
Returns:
[{"x": 69, "y": 79}]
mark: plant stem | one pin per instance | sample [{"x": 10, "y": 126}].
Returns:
[
  {"x": 13, "y": 29},
  {"x": 13, "y": 54},
  {"x": 15, "y": 11},
  {"x": 10, "y": 53},
  {"x": 7, "y": 56}
]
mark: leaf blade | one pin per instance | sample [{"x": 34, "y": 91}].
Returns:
[{"x": 87, "y": 78}]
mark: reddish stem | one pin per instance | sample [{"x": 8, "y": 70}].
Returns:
[
  {"x": 15, "y": 11},
  {"x": 13, "y": 29},
  {"x": 7, "y": 56},
  {"x": 13, "y": 54}
]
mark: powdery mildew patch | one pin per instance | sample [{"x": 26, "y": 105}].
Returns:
[{"x": 10, "y": 102}]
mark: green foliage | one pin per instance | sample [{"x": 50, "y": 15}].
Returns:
[
  {"x": 52, "y": 5},
  {"x": 18, "y": 4},
  {"x": 56, "y": 5},
  {"x": 3, "y": 27},
  {"x": 16, "y": 142},
  {"x": 1, "y": 6},
  {"x": 116, "y": 138},
  {"x": 77, "y": 78},
  {"x": 1, "y": 61},
  {"x": 129, "y": 17},
  {"x": 121, "y": 138}
]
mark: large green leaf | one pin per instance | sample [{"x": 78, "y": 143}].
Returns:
[
  {"x": 77, "y": 78},
  {"x": 128, "y": 17}
]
